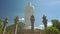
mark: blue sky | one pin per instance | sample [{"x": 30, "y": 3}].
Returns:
[{"x": 12, "y": 8}]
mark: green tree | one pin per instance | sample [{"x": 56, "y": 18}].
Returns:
[
  {"x": 51, "y": 30},
  {"x": 56, "y": 24},
  {"x": 0, "y": 26}
]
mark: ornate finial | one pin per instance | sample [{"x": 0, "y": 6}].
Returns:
[
  {"x": 32, "y": 18},
  {"x": 44, "y": 17},
  {"x": 16, "y": 19},
  {"x": 6, "y": 20}
]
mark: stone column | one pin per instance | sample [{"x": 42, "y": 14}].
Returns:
[
  {"x": 44, "y": 21},
  {"x": 32, "y": 24},
  {"x": 16, "y": 21},
  {"x": 5, "y": 24}
]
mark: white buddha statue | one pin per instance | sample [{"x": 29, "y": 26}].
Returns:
[{"x": 29, "y": 11}]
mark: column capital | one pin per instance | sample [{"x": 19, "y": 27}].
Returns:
[{"x": 6, "y": 20}]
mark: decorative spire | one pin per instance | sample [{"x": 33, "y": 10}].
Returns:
[{"x": 32, "y": 19}]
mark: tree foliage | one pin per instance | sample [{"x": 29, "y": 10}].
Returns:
[
  {"x": 51, "y": 30},
  {"x": 0, "y": 26},
  {"x": 56, "y": 24}
]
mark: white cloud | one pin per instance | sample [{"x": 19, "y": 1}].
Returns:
[
  {"x": 49, "y": 24},
  {"x": 21, "y": 19},
  {"x": 41, "y": 26}
]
